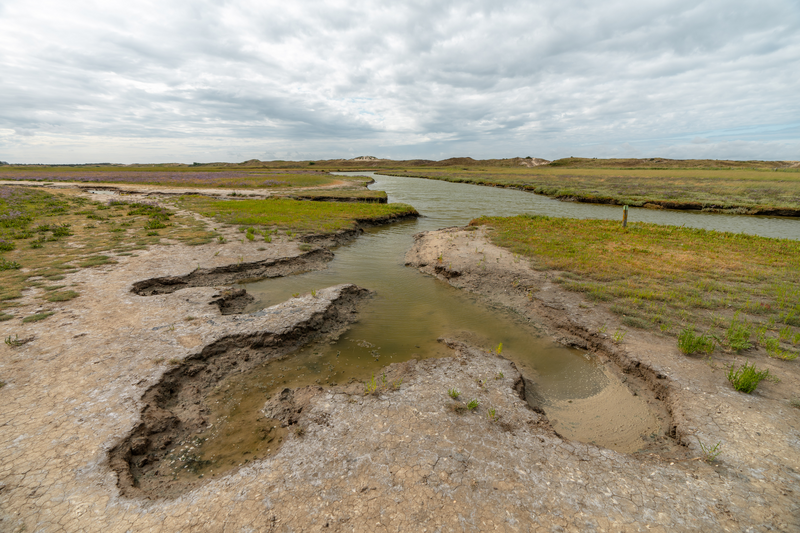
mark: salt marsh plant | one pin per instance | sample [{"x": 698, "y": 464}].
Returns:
[
  {"x": 371, "y": 386},
  {"x": 473, "y": 404},
  {"x": 738, "y": 334},
  {"x": 690, "y": 343},
  {"x": 453, "y": 393},
  {"x": 747, "y": 377},
  {"x": 710, "y": 453}
]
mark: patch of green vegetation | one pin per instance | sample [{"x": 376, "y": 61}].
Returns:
[
  {"x": 293, "y": 215},
  {"x": 690, "y": 343},
  {"x": 62, "y": 296},
  {"x": 96, "y": 260},
  {"x": 5, "y": 316},
  {"x": 746, "y": 378},
  {"x": 38, "y": 317},
  {"x": 64, "y": 242},
  {"x": 670, "y": 278}
]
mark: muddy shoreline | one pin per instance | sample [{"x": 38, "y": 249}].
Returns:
[{"x": 111, "y": 371}]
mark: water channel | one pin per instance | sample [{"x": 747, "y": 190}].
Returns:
[{"x": 410, "y": 311}]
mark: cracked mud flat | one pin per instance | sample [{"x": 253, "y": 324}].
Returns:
[{"x": 400, "y": 460}]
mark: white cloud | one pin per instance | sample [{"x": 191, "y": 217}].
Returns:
[{"x": 215, "y": 80}]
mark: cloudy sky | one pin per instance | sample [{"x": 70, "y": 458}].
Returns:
[{"x": 230, "y": 80}]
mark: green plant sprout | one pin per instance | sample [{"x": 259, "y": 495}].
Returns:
[
  {"x": 454, "y": 394},
  {"x": 710, "y": 453}
]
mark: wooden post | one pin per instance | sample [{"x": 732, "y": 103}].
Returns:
[{"x": 625, "y": 216}]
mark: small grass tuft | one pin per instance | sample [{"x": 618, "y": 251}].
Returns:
[
  {"x": 62, "y": 296},
  {"x": 710, "y": 453},
  {"x": 96, "y": 260},
  {"x": 38, "y": 317},
  {"x": 473, "y": 404},
  {"x": 746, "y": 378},
  {"x": 453, "y": 393},
  {"x": 738, "y": 334},
  {"x": 690, "y": 343}
]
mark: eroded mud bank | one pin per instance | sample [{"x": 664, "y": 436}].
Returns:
[
  {"x": 148, "y": 461},
  {"x": 235, "y": 273}
]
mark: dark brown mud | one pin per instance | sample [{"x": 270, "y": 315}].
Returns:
[
  {"x": 158, "y": 459},
  {"x": 234, "y": 273},
  {"x": 347, "y": 199}
]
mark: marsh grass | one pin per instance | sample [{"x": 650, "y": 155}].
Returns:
[
  {"x": 61, "y": 296},
  {"x": 38, "y": 317},
  {"x": 292, "y": 215},
  {"x": 669, "y": 278},
  {"x": 689, "y": 343},
  {"x": 70, "y": 234},
  {"x": 746, "y": 378},
  {"x": 736, "y": 190}
]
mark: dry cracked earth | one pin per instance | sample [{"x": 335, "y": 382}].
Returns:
[{"x": 404, "y": 458}]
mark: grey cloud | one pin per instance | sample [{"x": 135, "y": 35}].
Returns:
[{"x": 490, "y": 79}]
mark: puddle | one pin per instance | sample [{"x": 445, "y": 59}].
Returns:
[{"x": 584, "y": 399}]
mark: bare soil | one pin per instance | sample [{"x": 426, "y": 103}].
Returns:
[{"x": 92, "y": 390}]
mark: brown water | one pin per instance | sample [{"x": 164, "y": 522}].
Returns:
[{"x": 410, "y": 311}]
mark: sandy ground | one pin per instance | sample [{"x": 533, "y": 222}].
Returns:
[{"x": 406, "y": 458}]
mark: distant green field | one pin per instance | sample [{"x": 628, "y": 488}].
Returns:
[
  {"x": 738, "y": 191},
  {"x": 293, "y": 215}
]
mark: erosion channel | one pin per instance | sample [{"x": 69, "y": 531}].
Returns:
[{"x": 584, "y": 397}]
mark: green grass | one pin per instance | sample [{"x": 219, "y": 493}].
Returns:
[
  {"x": 746, "y": 378},
  {"x": 293, "y": 215},
  {"x": 668, "y": 278},
  {"x": 96, "y": 260},
  {"x": 690, "y": 343},
  {"x": 69, "y": 233},
  {"x": 61, "y": 296},
  {"x": 37, "y": 317}
]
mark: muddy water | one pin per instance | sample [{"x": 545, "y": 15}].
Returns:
[{"x": 410, "y": 311}]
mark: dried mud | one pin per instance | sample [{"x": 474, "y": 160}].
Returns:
[
  {"x": 176, "y": 409},
  {"x": 110, "y": 373},
  {"x": 235, "y": 273}
]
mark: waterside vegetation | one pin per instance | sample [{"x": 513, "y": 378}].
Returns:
[{"x": 710, "y": 289}]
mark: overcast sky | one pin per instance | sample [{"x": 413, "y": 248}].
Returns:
[{"x": 139, "y": 81}]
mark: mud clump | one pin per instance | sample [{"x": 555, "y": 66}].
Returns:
[
  {"x": 158, "y": 457},
  {"x": 235, "y": 273},
  {"x": 232, "y": 301}
]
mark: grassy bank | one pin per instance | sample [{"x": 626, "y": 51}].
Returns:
[
  {"x": 45, "y": 235},
  {"x": 738, "y": 191},
  {"x": 294, "y": 216},
  {"x": 740, "y": 291}
]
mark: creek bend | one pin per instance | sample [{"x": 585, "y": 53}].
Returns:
[{"x": 411, "y": 310}]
